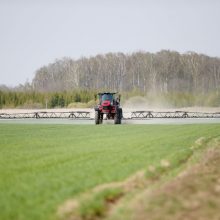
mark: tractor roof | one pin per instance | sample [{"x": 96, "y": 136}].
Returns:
[{"x": 103, "y": 93}]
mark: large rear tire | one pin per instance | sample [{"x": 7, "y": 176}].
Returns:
[
  {"x": 97, "y": 117},
  {"x": 118, "y": 116}
]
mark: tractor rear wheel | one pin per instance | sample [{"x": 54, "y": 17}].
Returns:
[
  {"x": 118, "y": 116},
  {"x": 97, "y": 117}
]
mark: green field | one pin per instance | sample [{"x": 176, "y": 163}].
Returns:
[{"x": 41, "y": 166}]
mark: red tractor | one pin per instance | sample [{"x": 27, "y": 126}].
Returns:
[{"x": 110, "y": 106}]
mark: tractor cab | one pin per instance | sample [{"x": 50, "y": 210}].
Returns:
[{"x": 108, "y": 99}]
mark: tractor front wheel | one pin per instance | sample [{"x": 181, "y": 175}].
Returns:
[
  {"x": 97, "y": 117},
  {"x": 100, "y": 118}
]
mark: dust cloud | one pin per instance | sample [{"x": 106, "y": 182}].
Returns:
[{"x": 138, "y": 103}]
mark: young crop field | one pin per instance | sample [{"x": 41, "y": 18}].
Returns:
[{"x": 42, "y": 166}]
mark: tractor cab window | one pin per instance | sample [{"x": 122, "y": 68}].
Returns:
[{"x": 107, "y": 97}]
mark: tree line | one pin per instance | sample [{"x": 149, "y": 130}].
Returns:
[{"x": 159, "y": 73}]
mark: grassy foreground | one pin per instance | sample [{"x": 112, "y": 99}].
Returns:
[{"x": 41, "y": 166}]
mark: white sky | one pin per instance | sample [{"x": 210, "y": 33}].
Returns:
[{"x": 34, "y": 33}]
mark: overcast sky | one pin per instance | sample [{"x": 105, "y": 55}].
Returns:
[{"x": 34, "y": 33}]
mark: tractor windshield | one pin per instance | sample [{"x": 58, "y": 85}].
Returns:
[{"x": 107, "y": 97}]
